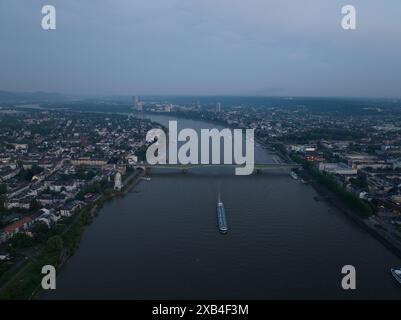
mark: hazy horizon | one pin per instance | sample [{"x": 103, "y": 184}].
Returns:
[
  {"x": 266, "y": 48},
  {"x": 129, "y": 96}
]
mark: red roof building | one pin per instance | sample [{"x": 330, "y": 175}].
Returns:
[{"x": 18, "y": 225}]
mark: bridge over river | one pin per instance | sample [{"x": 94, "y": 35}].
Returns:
[{"x": 258, "y": 167}]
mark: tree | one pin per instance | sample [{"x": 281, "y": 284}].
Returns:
[
  {"x": 35, "y": 205},
  {"x": 54, "y": 244},
  {"x": 29, "y": 173},
  {"x": 41, "y": 231},
  {"x": 3, "y": 188},
  {"x": 359, "y": 182},
  {"x": 21, "y": 241}
]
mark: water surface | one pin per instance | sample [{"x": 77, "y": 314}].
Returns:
[{"x": 161, "y": 241}]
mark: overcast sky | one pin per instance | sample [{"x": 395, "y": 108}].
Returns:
[{"x": 242, "y": 47}]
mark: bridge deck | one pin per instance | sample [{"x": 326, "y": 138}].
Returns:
[{"x": 270, "y": 166}]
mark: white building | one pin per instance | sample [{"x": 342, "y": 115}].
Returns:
[
  {"x": 302, "y": 148},
  {"x": 117, "y": 182},
  {"x": 132, "y": 159},
  {"x": 167, "y": 108},
  {"x": 138, "y": 106},
  {"x": 337, "y": 168}
]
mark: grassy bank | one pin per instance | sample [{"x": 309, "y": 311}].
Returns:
[{"x": 26, "y": 282}]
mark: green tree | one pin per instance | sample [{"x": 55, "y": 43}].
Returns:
[
  {"x": 35, "y": 205},
  {"x": 54, "y": 244},
  {"x": 41, "y": 231},
  {"x": 359, "y": 182},
  {"x": 3, "y": 188},
  {"x": 21, "y": 241}
]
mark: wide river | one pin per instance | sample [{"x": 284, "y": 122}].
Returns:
[{"x": 161, "y": 242}]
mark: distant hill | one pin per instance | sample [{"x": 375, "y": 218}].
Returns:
[{"x": 30, "y": 97}]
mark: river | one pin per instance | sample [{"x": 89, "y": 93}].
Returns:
[{"x": 161, "y": 242}]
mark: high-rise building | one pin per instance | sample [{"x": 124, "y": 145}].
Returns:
[
  {"x": 218, "y": 107},
  {"x": 168, "y": 107},
  {"x": 138, "y": 106},
  {"x": 117, "y": 182}
]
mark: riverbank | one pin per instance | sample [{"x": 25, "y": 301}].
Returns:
[
  {"x": 25, "y": 282},
  {"x": 393, "y": 244}
]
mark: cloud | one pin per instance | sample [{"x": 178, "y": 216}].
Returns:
[{"x": 201, "y": 47}]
